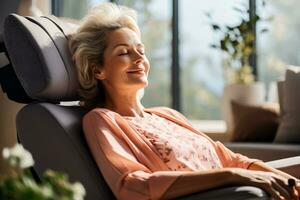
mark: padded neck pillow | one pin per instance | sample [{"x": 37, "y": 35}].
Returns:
[{"x": 38, "y": 48}]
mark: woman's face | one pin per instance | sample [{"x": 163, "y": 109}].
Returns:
[{"x": 125, "y": 65}]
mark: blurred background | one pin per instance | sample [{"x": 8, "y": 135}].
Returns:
[{"x": 200, "y": 79}]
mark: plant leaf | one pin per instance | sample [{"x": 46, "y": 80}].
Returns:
[
  {"x": 214, "y": 46},
  {"x": 264, "y": 30},
  {"x": 216, "y": 27},
  {"x": 238, "y": 9}
]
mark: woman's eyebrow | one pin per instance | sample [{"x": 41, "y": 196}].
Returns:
[
  {"x": 124, "y": 44},
  {"x": 120, "y": 45}
]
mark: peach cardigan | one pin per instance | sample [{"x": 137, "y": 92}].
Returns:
[{"x": 130, "y": 163}]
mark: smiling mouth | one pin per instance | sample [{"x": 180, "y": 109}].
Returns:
[{"x": 136, "y": 72}]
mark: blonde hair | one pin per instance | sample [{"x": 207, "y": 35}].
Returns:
[{"x": 88, "y": 44}]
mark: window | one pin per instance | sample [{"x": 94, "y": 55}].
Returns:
[
  {"x": 74, "y": 9},
  {"x": 201, "y": 66},
  {"x": 280, "y": 46}
]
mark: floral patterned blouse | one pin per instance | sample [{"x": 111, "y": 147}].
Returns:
[{"x": 178, "y": 147}]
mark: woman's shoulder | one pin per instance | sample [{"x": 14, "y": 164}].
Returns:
[
  {"x": 161, "y": 111},
  {"x": 100, "y": 112}
]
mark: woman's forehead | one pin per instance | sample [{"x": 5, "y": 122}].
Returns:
[{"x": 123, "y": 36}]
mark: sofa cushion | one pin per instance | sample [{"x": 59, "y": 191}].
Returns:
[
  {"x": 255, "y": 123},
  {"x": 289, "y": 128}
]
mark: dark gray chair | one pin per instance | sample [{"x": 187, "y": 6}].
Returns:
[{"x": 52, "y": 132}]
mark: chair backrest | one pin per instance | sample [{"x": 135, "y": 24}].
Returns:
[{"x": 38, "y": 48}]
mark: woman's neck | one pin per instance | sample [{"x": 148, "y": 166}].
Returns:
[{"x": 125, "y": 104}]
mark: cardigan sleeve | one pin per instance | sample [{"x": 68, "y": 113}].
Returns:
[
  {"x": 231, "y": 159},
  {"x": 127, "y": 178}
]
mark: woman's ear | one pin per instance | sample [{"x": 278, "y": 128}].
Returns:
[{"x": 98, "y": 72}]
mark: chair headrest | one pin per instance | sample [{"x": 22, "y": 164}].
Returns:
[{"x": 38, "y": 48}]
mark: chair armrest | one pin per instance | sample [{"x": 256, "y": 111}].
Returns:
[
  {"x": 229, "y": 193},
  {"x": 265, "y": 151},
  {"x": 287, "y": 165}
]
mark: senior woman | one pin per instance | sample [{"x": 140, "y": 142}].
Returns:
[{"x": 149, "y": 153}]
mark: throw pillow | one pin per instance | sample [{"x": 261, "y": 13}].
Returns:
[
  {"x": 289, "y": 128},
  {"x": 255, "y": 123}
]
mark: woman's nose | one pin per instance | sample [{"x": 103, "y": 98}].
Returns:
[{"x": 138, "y": 57}]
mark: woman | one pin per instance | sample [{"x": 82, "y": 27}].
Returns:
[{"x": 149, "y": 153}]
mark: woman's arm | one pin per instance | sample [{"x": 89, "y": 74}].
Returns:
[
  {"x": 273, "y": 184},
  {"x": 198, "y": 181}
]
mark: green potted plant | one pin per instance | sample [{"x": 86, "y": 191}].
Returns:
[
  {"x": 21, "y": 185},
  {"x": 236, "y": 43}
]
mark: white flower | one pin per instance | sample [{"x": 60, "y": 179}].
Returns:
[
  {"x": 5, "y": 153},
  {"x": 46, "y": 191},
  {"x": 27, "y": 160},
  {"x": 79, "y": 191},
  {"x": 18, "y": 156},
  {"x": 17, "y": 150}
]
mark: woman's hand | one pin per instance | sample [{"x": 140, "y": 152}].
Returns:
[
  {"x": 298, "y": 187},
  {"x": 274, "y": 184}
]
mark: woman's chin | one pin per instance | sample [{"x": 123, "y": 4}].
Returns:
[{"x": 140, "y": 83}]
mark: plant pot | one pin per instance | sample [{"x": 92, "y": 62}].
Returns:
[{"x": 248, "y": 94}]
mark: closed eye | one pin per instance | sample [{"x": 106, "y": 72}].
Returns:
[{"x": 124, "y": 52}]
